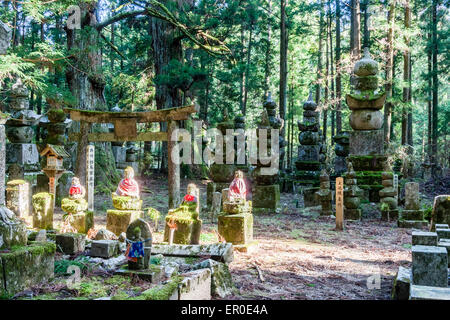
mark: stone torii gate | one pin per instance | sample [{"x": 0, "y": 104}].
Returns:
[{"x": 125, "y": 130}]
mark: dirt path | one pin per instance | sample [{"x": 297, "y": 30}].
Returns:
[{"x": 298, "y": 253}]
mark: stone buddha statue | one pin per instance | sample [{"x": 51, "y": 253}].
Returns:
[
  {"x": 76, "y": 191},
  {"x": 237, "y": 189},
  {"x": 128, "y": 185}
]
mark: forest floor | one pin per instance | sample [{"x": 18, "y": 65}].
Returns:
[{"x": 298, "y": 253}]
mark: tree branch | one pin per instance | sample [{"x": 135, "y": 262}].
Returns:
[{"x": 119, "y": 17}]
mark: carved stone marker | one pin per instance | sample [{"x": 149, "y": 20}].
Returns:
[
  {"x": 90, "y": 174},
  {"x": 340, "y": 203}
]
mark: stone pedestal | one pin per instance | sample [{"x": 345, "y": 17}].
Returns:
[
  {"x": 117, "y": 221},
  {"x": 43, "y": 210},
  {"x": 341, "y": 149},
  {"x": 236, "y": 228},
  {"x": 18, "y": 197},
  {"x": 366, "y": 142},
  {"x": 188, "y": 225}
]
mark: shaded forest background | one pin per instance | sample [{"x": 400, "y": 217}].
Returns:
[{"x": 229, "y": 55}]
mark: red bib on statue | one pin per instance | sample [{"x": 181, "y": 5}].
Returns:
[
  {"x": 237, "y": 188},
  {"x": 128, "y": 187}
]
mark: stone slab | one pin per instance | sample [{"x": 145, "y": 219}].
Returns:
[
  {"x": 153, "y": 274},
  {"x": 366, "y": 142},
  {"x": 424, "y": 238},
  {"x": 117, "y": 221},
  {"x": 429, "y": 266},
  {"x": 402, "y": 283},
  {"x": 441, "y": 226},
  {"x": 222, "y": 252},
  {"x": 221, "y": 280},
  {"x": 196, "y": 285},
  {"x": 446, "y": 245},
  {"x": 409, "y": 224},
  {"x": 441, "y": 211},
  {"x": 267, "y": 197},
  {"x": 24, "y": 154},
  {"x": 104, "y": 248},
  {"x": 443, "y": 233},
  {"x": 429, "y": 293}
]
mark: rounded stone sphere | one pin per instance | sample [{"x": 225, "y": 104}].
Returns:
[{"x": 366, "y": 66}]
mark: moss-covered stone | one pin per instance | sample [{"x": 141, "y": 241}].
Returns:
[
  {"x": 71, "y": 243},
  {"x": 82, "y": 221},
  {"x": 266, "y": 197},
  {"x": 236, "y": 228},
  {"x": 188, "y": 224},
  {"x": 14, "y": 234},
  {"x": 43, "y": 210},
  {"x": 26, "y": 266},
  {"x": 126, "y": 203},
  {"x": 74, "y": 205},
  {"x": 117, "y": 221}
]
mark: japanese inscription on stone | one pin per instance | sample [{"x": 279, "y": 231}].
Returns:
[
  {"x": 90, "y": 173},
  {"x": 339, "y": 203}
]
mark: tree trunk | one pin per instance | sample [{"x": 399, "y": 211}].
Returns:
[
  {"x": 406, "y": 76},
  {"x": 366, "y": 32},
  {"x": 338, "y": 68},
  {"x": 283, "y": 68},
  {"x": 268, "y": 54},
  {"x": 435, "y": 88},
  {"x": 247, "y": 69},
  {"x": 166, "y": 47},
  {"x": 389, "y": 73},
  {"x": 430, "y": 97},
  {"x": 319, "y": 54},
  {"x": 355, "y": 44}
]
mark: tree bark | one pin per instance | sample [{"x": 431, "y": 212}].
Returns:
[
  {"x": 406, "y": 76},
  {"x": 268, "y": 54},
  {"x": 338, "y": 68},
  {"x": 389, "y": 73},
  {"x": 283, "y": 68},
  {"x": 435, "y": 88}
]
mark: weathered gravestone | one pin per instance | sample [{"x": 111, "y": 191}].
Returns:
[
  {"x": 412, "y": 215},
  {"x": 429, "y": 266},
  {"x": 441, "y": 211},
  {"x": 5, "y": 37}
]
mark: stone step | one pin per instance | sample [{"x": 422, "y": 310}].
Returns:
[{"x": 429, "y": 293}]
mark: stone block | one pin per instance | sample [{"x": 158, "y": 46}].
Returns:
[
  {"x": 366, "y": 142},
  {"x": 387, "y": 215},
  {"x": 266, "y": 197},
  {"x": 412, "y": 196},
  {"x": 42, "y": 210},
  {"x": 117, "y": 221},
  {"x": 441, "y": 211},
  {"x": 423, "y": 238},
  {"x": 441, "y": 226},
  {"x": 196, "y": 285},
  {"x": 429, "y": 266},
  {"x": 446, "y": 245},
  {"x": 74, "y": 205},
  {"x": 24, "y": 154},
  {"x": 70, "y": 243},
  {"x": 222, "y": 252},
  {"x": 408, "y": 224},
  {"x": 26, "y": 266},
  {"x": 126, "y": 203},
  {"x": 310, "y": 198},
  {"x": 308, "y": 153},
  {"x": 83, "y": 221},
  {"x": 104, "y": 248},
  {"x": 237, "y": 228},
  {"x": 412, "y": 214},
  {"x": 429, "y": 293},
  {"x": 443, "y": 233},
  {"x": 18, "y": 197},
  {"x": 352, "y": 214},
  {"x": 402, "y": 283},
  {"x": 153, "y": 274}
]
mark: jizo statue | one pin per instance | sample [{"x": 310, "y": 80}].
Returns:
[{"x": 128, "y": 185}]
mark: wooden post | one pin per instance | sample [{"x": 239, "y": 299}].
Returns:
[
  {"x": 396, "y": 185},
  {"x": 173, "y": 166},
  {"x": 340, "y": 204},
  {"x": 90, "y": 175}
]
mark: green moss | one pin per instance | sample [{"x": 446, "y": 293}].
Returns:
[
  {"x": 161, "y": 292},
  {"x": 16, "y": 182},
  {"x": 34, "y": 248},
  {"x": 73, "y": 205}
]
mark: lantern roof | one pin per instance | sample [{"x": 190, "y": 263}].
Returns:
[{"x": 54, "y": 150}]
